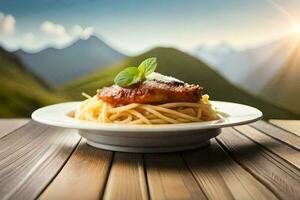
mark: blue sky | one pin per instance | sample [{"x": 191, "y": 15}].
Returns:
[{"x": 133, "y": 26}]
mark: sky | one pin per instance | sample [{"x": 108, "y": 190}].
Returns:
[{"x": 134, "y": 26}]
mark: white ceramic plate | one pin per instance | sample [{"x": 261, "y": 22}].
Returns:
[{"x": 147, "y": 138}]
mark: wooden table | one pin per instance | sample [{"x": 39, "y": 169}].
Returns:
[{"x": 259, "y": 161}]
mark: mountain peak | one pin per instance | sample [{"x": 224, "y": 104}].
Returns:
[
  {"x": 92, "y": 38},
  {"x": 89, "y": 42},
  {"x": 58, "y": 66}
]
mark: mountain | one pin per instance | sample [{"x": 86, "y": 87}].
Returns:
[
  {"x": 20, "y": 91},
  {"x": 269, "y": 71},
  {"x": 284, "y": 87},
  {"x": 183, "y": 66},
  {"x": 253, "y": 68},
  {"x": 211, "y": 54},
  {"x": 58, "y": 66}
]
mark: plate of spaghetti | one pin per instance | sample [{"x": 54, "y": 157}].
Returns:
[{"x": 144, "y": 111}]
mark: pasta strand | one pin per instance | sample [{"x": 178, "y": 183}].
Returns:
[{"x": 96, "y": 110}]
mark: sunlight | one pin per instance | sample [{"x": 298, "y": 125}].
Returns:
[{"x": 296, "y": 28}]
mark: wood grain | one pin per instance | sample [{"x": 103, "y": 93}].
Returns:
[
  {"x": 278, "y": 133},
  {"x": 127, "y": 178},
  {"x": 30, "y": 157},
  {"x": 260, "y": 161},
  {"x": 83, "y": 177},
  {"x": 280, "y": 149},
  {"x": 273, "y": 173},
  {"x": 9, "y": 125},
  {"x": 169, "y": 178},
  {"x": 222, "y": 178},
  {"x": 292, "y": 126}
]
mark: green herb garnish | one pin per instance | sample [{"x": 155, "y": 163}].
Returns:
[{"x": 133, "y": 75}]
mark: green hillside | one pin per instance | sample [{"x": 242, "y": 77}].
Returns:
[
  {"x": 20, "y": 92},
  {"x": 185, "y": 67}
]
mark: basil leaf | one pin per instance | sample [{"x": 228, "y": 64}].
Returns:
[
  {"x": 132, "y": 75},
  {"x": 127, "y": 77},
  {"x": 147, "y": 67}
]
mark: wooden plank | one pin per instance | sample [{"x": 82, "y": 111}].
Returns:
[
  {"x": 222, "y": 178},
  {"x": 127, "y": 178},
  {"x": 292, "y": 126},
  {"x": 278, "y": 133},
  {"x": 31, "y": 156},
  {"x": 169, "y": 178},
  {"x": 280, "y": 149},
  {"x": 273, "y": 173},
  {"x": 83, "y": 177},
  {"x": 9, "y": 125}
]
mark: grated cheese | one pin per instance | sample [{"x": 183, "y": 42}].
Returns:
[{"x": 163, "y": 78}]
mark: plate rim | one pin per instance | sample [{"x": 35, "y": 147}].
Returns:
[{"x": 85, "y": 125}]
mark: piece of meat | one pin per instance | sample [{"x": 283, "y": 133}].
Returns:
[{"x": 151, "y": 92}]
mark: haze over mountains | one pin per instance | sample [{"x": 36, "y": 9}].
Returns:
[
  {"x": 270, "y": 71},
  {"x": 58, "y": 66},
  {"x": 212, "y": 54},
  {"x": 284, "y": 87},
  {"x": 240, "y": 66}
]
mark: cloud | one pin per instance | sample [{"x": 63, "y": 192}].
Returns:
[
  {"x": 52, "y": 29},
  {"x": 29, "y": 41},
  {"x": 49, "y": 34},
  {"x": 58, "y": 35},
  {"x": 28, "y": 37},
  {"x": 83, "y": 33},
  {"x": 7, "y": 24},
  {"x": 55, "y": 33}
]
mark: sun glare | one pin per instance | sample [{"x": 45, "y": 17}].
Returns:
[{"x": 296, "y": 28}]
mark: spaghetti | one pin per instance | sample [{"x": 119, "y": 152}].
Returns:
[{"x": 94, "y": 109}]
